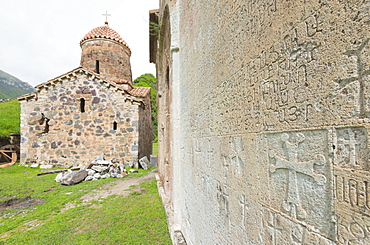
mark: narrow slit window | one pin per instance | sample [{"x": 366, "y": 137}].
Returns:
[
  {"x": 114, "y": 125},
  {"x": 46, "y": 130},
  {"x": 82, "y": 105},
  {"x": 97, "y": 66}
]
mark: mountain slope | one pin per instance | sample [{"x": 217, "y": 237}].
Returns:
[{"x": 12, "y": 87}]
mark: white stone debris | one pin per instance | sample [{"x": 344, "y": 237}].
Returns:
[
  {"x": 101, "y": 168},
  {"x": 144, "y": 163},
  {"x": 59, "y": 177}
]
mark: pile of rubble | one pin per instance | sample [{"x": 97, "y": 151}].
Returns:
[{"x": 98, "y": 169}]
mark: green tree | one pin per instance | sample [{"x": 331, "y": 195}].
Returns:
[{"x": 149, "y": 80}]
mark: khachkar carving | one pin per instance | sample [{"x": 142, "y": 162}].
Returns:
[
  {"x": 222, "y": 195},
  {"x": 234, "y": 155},
  {"x": 279, "y": 229},
  {"x": 362, "y": 72},
  {"x": 350, "y": 148},
  {"x": 294, "y": 166}
]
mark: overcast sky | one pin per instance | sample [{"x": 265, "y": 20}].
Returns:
[{"x": 39, "y": 39}]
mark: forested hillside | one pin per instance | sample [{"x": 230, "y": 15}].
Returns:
[
  {"x": 9, "y": 118},
  {"x": 11, "y": 87}
]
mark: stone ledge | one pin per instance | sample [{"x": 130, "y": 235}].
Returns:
[{"x": 175, "y": 233}]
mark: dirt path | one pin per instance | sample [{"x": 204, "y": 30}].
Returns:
[{"x": 119, "y": 187}]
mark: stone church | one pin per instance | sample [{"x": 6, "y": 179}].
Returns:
[
  {"x": 264, "y": 120},
  {"x": 89, "y": 111}
]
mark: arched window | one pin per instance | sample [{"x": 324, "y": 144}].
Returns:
[
  {"x": 114, "y": 125},
  {"x": 82, "y": 105}
]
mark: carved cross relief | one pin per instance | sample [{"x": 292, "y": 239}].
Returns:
[
  {"x": 351, "y": 148},
  {"x": 352, "y": 144},
  {"x": 234, "y": 155},
  {"x": 295, "y": 167},
  {"x": 362, "y": 72}
]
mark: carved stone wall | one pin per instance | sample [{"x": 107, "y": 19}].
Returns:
[{"x": 274, "y": 112}]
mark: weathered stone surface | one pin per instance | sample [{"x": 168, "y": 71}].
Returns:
[
  {"x": 264, "y": 120},
  {"x": 144, "y": 163},
  {"x": 90, "y": 172},
  {"x": 99, "y": 158},
  {"x": 34, "y": 165},
  {"x": 153, "y": 161},
  {"x": 97, "y": 175},
  {"x": 73, "y": 177},
  {"x": 88, "y": 178},
  {"x": 99, "y": 168},
  {"x": 46, "y": 166},
  {"x": 59, "y": 177},
  {"x": 105, "y": 176}
]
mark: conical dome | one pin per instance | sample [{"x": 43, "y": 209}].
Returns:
[
  {"x": 106, "y": 53},
  {"x": 104, "y": 32}
]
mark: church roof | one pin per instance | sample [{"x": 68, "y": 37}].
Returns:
[
  {"x": 81, "y": 70},
  {"x": 104, "y": 32},
  {"x": 140, "y": 91},
  {"x": 120, "y": 81}
]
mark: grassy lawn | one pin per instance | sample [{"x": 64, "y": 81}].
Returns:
[
  {"x": 9, "y": 118},
  {"x": 138, "y": 218}
]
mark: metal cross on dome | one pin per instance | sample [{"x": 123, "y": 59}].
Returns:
[{"x": 106, "y": 16}]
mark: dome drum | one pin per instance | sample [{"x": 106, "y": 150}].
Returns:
[{"x": 106, "y": 53}]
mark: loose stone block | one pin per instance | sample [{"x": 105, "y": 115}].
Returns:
[
  {"x": 73, "y": 177},
  {"x": 153, "y": 160},
  {"x": 144, "y": 163}
]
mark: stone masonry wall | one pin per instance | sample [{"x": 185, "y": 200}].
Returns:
[
  {"x": 75, "y": 137},
  {"x": 114, "y": 59},
  {"x": 273, "y": 121},
  {"x": 164, "y": 86},
  {"x": 145, "y": 128}
]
